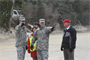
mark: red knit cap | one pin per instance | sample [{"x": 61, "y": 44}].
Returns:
[{"x": 66, "y": 21}]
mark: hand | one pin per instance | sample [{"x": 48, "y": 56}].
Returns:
[
  {"x": 26, "y": 47},
  {"x": 22, "y": 24},
  {"x": 71, "y": 50},
  {"x": 52, "y": 28},
  {"x": 61, "y": 48},
  {"x": 31, "y": 47}
]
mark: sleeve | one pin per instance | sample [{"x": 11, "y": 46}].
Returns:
[
  {"x": 48, "y": 29},
  {"x": 62, "y": 39},
  {"x": 73, "y": 36},
  {"x": 62, "y": 44},
  {"x": 18, "y": 27},
  {"x": 28, "y": 45},
  {"x": 34, "y": 37}
]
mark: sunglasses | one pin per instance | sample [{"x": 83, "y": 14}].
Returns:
[{"x": 23, "y": 21}]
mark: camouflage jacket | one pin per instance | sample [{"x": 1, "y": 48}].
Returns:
[
  {"x": 42, "y": 37},
  {"x": 20, "y": 33}
]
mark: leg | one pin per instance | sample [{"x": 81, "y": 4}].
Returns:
[
  {"x": 45, "y": 55},
  {"x": 20, "y": 53},
  {"x": 24, "y": 51},
  {"x": 71, "y": 55},
  {"x": 39, "y": 56},
  {"x": 34, "y": 58},
  {"x": 65, "y": 54}
]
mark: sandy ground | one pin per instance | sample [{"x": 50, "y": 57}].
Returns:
[{"x": 82, "y": 52}]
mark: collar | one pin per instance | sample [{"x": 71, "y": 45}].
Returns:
[
  {"x": 68, "y": 28},
  {"x": 42, "y": 27}
]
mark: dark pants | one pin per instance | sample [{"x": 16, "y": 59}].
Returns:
[
  {"x": 68, "y": 55},
  {"x": 35, "y": 58}
]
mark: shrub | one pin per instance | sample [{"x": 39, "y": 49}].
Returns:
[
  {"x": 5, "y": 13},
  {"x": 85, "y": 18}
]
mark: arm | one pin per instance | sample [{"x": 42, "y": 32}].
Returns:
[
  {"x": 73, "y": 37},
  {"x": 49, "y": 29},
  {"x": 28, "y": 45},
  {"x": 18, "y": 27},
  {"x": 62, "y": 42},
  {"x": 62, "y": 46}
]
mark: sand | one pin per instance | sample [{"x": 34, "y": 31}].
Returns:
[{"x": 82, "y": 51}]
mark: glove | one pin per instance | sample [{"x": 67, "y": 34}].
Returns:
[
  {"x": 52, "y": 28},
  {"x": 31, "y": 47},
  {"x": 61, "y": 48},
  {"x": 26, "y": 47},
  {"x": 71, "y": 50},
  {"x": 22, "y": 24}
]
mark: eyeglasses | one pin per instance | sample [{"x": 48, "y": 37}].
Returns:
[{"x": 23, "y": 21}]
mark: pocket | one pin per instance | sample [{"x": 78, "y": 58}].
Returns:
[{"x": 67, "y": 34}]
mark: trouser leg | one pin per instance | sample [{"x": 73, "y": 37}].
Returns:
[
  {"x": 45, "y": 55},
  {"x": 24, "y": 51},
  {"x": 34, "y": 58},
  {"x": 65, "y": 54},
  {"x": 71, "y": 55},
  {"x": 39, "y": 55},
  {"x": 68, "y": 55},
  {"x": 20, "y": 53}
]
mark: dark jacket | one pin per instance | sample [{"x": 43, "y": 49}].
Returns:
[{"x": 69, "y": 38}]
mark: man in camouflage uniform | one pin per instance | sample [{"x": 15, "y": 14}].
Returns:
[
  {"x": 20, "y": 32},
  {"x": 42, "y": 37}
]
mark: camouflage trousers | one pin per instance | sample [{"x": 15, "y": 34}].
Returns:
[
  {"x": 42, "y": 55},
  {"x": 21, "y": 52}
]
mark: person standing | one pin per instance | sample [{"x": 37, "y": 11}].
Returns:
[
  {"x": 33, "y": 52},
  {"x": 37, "y": 25},
  {"x": 69, "y": 40},
  {"x": 20, "y": 32},
  {"x": 42, "y": 36}
]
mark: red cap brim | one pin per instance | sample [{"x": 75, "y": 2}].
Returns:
[
  {"x": 66, "y": 21},
  {"x": 63, "y": 21}
]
